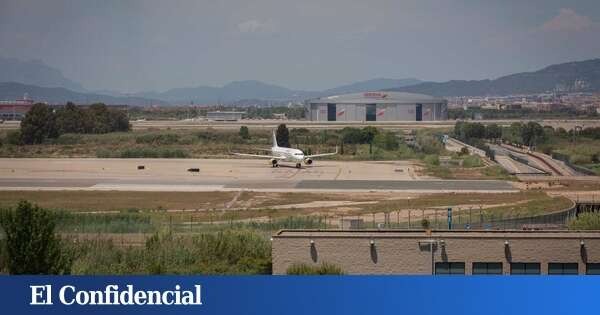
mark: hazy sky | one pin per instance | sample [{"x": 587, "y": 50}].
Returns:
[{"x": 131, "y": 46}]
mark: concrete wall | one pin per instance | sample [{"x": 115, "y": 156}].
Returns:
[{"x": 399, "y": 252}]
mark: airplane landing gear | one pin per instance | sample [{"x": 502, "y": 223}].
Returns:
[{"x": 298, "y": 165}]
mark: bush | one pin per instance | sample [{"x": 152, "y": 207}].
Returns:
[
  {"x": 432, "y": 159},
  {"x": 387, "y": 141},
  {"x": 231, "y": 252},
  {"x": 68, "y": 138},
  {"x": 153, "y": 153},
  {"x": 586, "y": 221},
  {"x": 32, "y": 246},
  {"x": 244, "y": 133},
  {"x": 13, "y": 137},
  {"x": 157, "y": 139},
  {"x": 301, "y": 269},
  {"x": 472, "y": 161}
]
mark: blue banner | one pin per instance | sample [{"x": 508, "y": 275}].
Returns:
[{"x": 299, "y": 294}]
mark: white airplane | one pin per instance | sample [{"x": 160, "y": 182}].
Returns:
[{"x": 287, "y": 155}]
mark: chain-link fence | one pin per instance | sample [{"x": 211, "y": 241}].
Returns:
[{"x": 427, "y": 218}]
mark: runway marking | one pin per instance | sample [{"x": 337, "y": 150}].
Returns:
[
  {"x": 338, "y": 173},
  {"x": 234, "y": 200}
]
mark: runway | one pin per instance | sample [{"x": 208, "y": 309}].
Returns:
[{"x": 226, "y": 175}]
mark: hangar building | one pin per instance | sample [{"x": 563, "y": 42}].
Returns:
[{"x": 377, "y": 106}]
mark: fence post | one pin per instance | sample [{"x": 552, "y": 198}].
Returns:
[
  {"x": 470, "y": 209},
  {"x": 170, "y": 224},
  {"x": 373, "y": 215},
  {"x": 409, "y": 219}
]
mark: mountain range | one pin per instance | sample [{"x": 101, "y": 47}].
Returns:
[
  {"x": 35, "y": 72},
  {"x": 578, "y": 76},
  {"x": 44, "y": 83},
  {"x": 59, "y": 95}
]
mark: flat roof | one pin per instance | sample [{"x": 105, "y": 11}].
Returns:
[
  {"x": 379, "y": 97},
  {"x": 421, "y": 234}
]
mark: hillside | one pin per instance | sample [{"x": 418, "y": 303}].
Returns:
[
  {"x": 580, "y": 76},
  {"x": 13, "y": 91},
  {"x": 371, "y": 85},
  {"x": 35, "y": 72}
]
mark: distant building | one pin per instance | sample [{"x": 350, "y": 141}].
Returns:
[
  {"x": 224, "y": 116},
  {"x": 377, "y": 106},
  {"x": 281, "y": 116},
  {"x": 15, "y": 110}
]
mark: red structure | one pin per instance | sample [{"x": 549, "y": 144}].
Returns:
[{"x": 15, "y": 110}]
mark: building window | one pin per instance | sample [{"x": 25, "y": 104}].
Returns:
[
  {"x": 563, "y": 269},
  {"x": 487, "y": 268},
  {"x": 525, "y": 268},
  {"x": 450, "y": 268},
  {"x": 592, "y": 269}
]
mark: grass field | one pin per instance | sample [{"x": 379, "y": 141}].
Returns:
[{"x": 147, "y": 212}]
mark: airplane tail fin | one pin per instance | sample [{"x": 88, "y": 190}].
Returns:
[{"x": 274, "y": 140}]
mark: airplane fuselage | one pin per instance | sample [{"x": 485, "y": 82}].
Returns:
[{"x": 291, "y": 155}]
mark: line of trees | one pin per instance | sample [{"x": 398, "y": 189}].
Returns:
[
  {"x": 43, "y": 122},
  {"x": 528, "y": 134}
]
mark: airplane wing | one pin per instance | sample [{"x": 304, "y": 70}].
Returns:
[
  {"x": 260, "y": 156},
  {"x": 323, "y": 154}
]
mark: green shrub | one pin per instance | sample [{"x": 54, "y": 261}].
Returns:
[
  {"x": 32, "y": 246},
  {"x": 158, "y": 139},
  {"x": 231, "y": 252},
  {"x": 580, "y": 159},
  {"x": 472, "y": 161},
  {"x": 68, "y": 138},
  {"x": 432, "y": 159},
  {"x": 13, "y": 137},
  {"x": 323, "y": 269},
  {"x": 586, "y": 221}
]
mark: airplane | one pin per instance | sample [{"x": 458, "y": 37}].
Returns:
[{"x": 287, "y": 155}]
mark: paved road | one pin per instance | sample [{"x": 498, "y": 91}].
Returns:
[
  {"x": 232, "y": 174},
  {"x": 270, "y": 124},
  {"x": 425, "y": 186}
]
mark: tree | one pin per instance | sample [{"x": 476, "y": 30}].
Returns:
[
  {"x": 493, "y": 132},
  {"x": 387, "y": 141},
  {"x": 351, "y": 135},
  {"x": 368, "y": 134},
  {"x": 283, "y": 136},
  {"x": 39, "y": 123},
  {"x": 99, "y": 118},
  {"x": 244, "y": 133},
  {"x": 118, "y": 120},
  {"x": 31, "y": 243},
  {"x": 70, "y": 119},
  {"x": 532, "y": 134}
]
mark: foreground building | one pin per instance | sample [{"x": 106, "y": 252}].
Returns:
[
  {"x": 414, "y": 252},
  {"x": 377, "y": 106}
]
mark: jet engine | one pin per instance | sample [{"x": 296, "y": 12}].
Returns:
[{"x": 308, "y": 161}]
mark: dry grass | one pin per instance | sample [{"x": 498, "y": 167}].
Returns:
[
  {"x": 211, "y": 206},
  {"x": 117, "y": 200}
]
